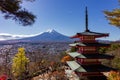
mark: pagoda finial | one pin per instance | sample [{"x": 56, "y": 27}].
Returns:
[{"x": 86, "y": 20}]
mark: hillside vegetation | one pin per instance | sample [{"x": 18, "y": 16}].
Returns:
[{"x": 114, "y": 50}]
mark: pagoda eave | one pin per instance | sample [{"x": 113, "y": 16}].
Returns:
[
  {"x": 74, "y": 66},
  {"x": 89, "y": 74},
  {"x": 95, "y": 68},
  {"x": 90, "y": 56},
  {"x": 97, "y": 44},
  {"x": 88, "y": 69},
  {"x": 96, "y": 35}
]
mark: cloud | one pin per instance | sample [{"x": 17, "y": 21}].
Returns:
[{"x": 7, "y": 36}]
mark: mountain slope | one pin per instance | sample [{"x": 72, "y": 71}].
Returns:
[{"x": 49, "y": 36}]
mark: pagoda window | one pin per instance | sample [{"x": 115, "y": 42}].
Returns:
[
  {"x": 80, "y": 60},
  {"x": 82, "y": 38},
  {"x": 89, "y": 38},
  {"x": 89, "y": 49},
  {"x": 89, "y": 61}
]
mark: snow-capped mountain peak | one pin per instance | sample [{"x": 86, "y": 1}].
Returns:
[
  {"x": 49, "y": 36},
  {"x": 50, "y": 30}
]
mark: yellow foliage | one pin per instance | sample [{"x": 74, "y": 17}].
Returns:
[
  {"x": 113, "y": 17},
  {"x": 20, "y": 62}
]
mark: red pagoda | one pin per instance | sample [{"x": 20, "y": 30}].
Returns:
[{"x": 87, "y": 57}]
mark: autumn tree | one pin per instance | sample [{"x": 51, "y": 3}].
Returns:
[
  {"x": 113, "y": 16},
  {"x": 113, "y": 75},
  {"x": 12, "y": 9},
  {"x": 19, "y": 65},
  {"x": 66, "y": 58}
]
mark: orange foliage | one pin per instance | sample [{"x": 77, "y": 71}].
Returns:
[
  {"x": 113, "y": 75},
  {"x": 66, "y": 58}
]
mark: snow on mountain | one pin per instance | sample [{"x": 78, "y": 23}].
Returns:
[{"x": 49, "y": 36}]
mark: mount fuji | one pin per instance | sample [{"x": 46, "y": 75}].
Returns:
[{"x": 48, "y": 36}]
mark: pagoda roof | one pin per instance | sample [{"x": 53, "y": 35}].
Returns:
[
  {"x": 87, "y": 32},
  {"x": 90, "y": 56},
  {"x": 74, "y": 66},
  {"x": 98, "y": 44},
  {"x": 95, "y": 68},
  {"x": 76, "y": 54},
  {"x": 90, "y": 33},
  {"x": 88, "y": 68}
]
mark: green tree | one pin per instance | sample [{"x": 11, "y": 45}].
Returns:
[
  {"x": 114, "y": 47},
  {"x": 116, "y": 63},
  {"x": 73, "y": 49},
  {"x": 102, "y": 50},
  {"x": 19, "y": 64},
  {"x": 113, "y": 16},
  {"x": 13, "y": 10}
]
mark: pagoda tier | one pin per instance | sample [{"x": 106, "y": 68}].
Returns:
[
  {"x": 92, "y": 35},
  {"x": 88, "y": 47},
  {"x": 88, "y": 70},
  {"x": 89, "y": 36},
  {"x": 85, "y": 59}
]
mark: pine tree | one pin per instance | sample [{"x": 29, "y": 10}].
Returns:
[
  {"x": 19, "y": 64},
  {"x": 13, "y": 10},
  {"x": 113, "y": 17}
]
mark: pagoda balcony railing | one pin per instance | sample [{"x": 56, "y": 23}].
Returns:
[
  {"x": 89, "y": 73},
  {"x": 85, "y": 52},
  {"x": 88, "y": 41},
  {"x": 88, "y": 63}
]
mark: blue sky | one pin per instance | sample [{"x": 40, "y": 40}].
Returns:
[{"x": 66, "y": 17}]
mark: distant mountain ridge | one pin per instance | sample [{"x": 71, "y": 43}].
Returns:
[{"x": 47, "y": 36}]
